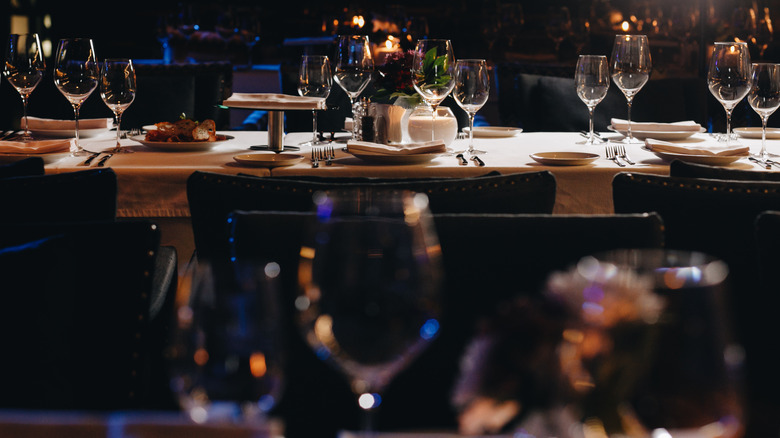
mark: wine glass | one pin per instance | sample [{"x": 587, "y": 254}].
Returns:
[
  {"x": 369, "y": 286},
  {"x": 76, "y": 75},
  {"x": 631, "y": 66},
  {"x": 354, "y": 67},
  {"x": 117, "y": 89},
  {"x": 315, "y": 80},
  {"x": 728, "y": 77},
  {"x": 226, "y": 353},
  {"x": 433, "y": 73},
  {"x": 592, "y": 81},
  {"x": 764, "y": 96},
  {"x": 472, "y": 85},
  {"x": 24, "y": 67}
]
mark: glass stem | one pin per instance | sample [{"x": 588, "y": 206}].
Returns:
[
  {"x": 630, "y": 135},
  {"x": 433, "y": 122},
  {"x": 764, "y": 155},
  {"x": 728, "y": 126},
  {"x": 24, "y": 114},
  {"x": 76, "y": 114},
  {"x": 118, "y": 125},
  {"x": 591, "y": 137},
  {"x": 471, "y": 133},
  {"x": 314, "y": 124}
]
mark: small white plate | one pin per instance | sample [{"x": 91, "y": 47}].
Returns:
[
  {"x": 268, "y": 160},
  {"x": 47, "y": 158},
  {"x": 771, "y": 133},
  {"x": 493, "y": 131},
  {"x": 712, "y": 160},
  {"x": 564, "y": 158},
  {"x": 658, "y": 135},
  {"x": 180, "y": 146},
  {"x": 394, "y": 159},
  {"x": 67, "y": 133}
]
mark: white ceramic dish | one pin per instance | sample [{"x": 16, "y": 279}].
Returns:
[
  {"x": 67, "y": 133},
  {"x": 493, "y": 131},
  {"x": 394, "y": 159},
  {"x": 268, "y": 160},
  {"x": 564, "y": 158},
  {"x": 712, "y": 160},
  {"x": 658, "y": 135},
  {"x": 180, "y": 146},
  {"x": 771, "y": 133},
  {"x": 47, "y": 158}
]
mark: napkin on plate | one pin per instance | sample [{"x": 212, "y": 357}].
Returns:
[
  {"x": 272, "y": 101},
  {"x": 691, "y": 149},
  {"x": 428, "y": 147},
  {"x": 685, "y": 126},
  {"x": 41, "y": 123},
  {"x": 36, "y": 146}
]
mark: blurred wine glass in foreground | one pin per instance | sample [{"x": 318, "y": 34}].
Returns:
[{"x": 24, "y": 68}]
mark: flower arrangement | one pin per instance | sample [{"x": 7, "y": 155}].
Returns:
[{"x": 395, "y": 79}]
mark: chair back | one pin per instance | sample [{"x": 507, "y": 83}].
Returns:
[
  {"x": 488, "y": 259},
  {"x": 678, "y": 168},
  {"x": 25, "y": 167}
]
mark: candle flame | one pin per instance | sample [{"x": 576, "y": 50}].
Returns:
[{"x": 624, "y": 26}]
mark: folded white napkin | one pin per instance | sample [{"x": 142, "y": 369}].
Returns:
[
  {"x": 272, "y": 101},
  {"x": 685, "y": 126},
  {"x": 41, "y": 123},
  {"x": 691, "y": 149},
  {"x": 428, "y": 147},
  {"x": 37, "y": 146}
]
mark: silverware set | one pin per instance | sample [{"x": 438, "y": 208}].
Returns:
[
  {"x": 324, "y": 153},
  {"x": 93, "y": 156},
  {"x": 616, "y": 153},
  {"x": 464, "y": 162}
]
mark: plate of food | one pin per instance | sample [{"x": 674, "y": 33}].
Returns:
[
  {"x": 712, "y": 160},
  {"x": 755, "y": 132},
  {"x": 182, "y": 135},
  {"x": 564, "y": 158},
  {"x": 493, "y": 131},
  {"x": 268, "y": 160},
  {"x": 658, "y": 135}
]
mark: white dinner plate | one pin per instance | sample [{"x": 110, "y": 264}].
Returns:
[
  {"x": 268, "y": 160},
  {"x": 67, "y": 133},
  {"x": 658, "y": 135},
  {"x": 712, "y": 160},
  {"x": 771, "y": 133},
  {"x": 47, "y": 158},
  {"x": 564, "y": 158},
  {"x": 493, "y": 131},
  {"x": 180, "y": 146},
  {"x": 393, "y": 159}
]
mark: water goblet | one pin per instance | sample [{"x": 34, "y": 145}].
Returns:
[
  {"x": 76, "y": 75},
  {"x": 631, "y": 66},
  {"x": 433, "y": 73},
  {"x": 764, "y": 96},
  {"x": 354, "y": 67},
  {"x": 472, "y": 86},
  {"x": 728, "y": 77},
  {"x": 592, "y": 81},
  {"x": 117, "y": 89},
  {"x": 315, "y": 80},
  {"x": 369, "y": 286},
  {"x": 24, "y": 68}
]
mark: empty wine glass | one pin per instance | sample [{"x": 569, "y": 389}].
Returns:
[
  {"x": 315, "y": 80},
  {"x": 117, "y": 89},
  {"x": 631, "y": 66},
  {"x": 354, "y": 67},
  {"x": 24, "y": 67},
  {"x": 764, "y": 96},
  {"x": 472, "y": 86},
  {"x": 76, "y": 75},
  {"x": 592, "y": 81},
  {"x": 433, "y": 73},
  {"x": 370, "y": 283},
  {"x": 728, "y": 77},
  {"x": 226, "y": 353}
]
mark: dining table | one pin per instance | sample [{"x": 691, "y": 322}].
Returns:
[{"x": 152, "y": 180}]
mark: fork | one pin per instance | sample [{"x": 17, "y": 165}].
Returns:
[
  {"x": 612, "y": 155},
  {"x": 315, "y": 157},
  {"x": 330, "y": 154},
  {"x": 621, "y": 152}
]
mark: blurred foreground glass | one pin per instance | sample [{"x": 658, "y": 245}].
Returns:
[
  {"x": 226, "y": 355},
  {"x": 370, "y": 278},
  {"x": 76, "y": 75},
  {"x": 592, "y": 81},
  {"x": 24, "y": 67},
  {"x": 649, "y": 351},
  {"x": 631, "y": 67},
  {"x": 472, "y": 86},
  {"x": 728, "y": 77},
  {"x": 764, "y": 96},
  {"x": 117, "y": 89}
]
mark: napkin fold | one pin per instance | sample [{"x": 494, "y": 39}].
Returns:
[
  {"x": 36, "y": 146},
  {"x": 691, "y": 149},
  {"x": 42, "y": 123},
  {"x": 272, "y": 101},
  {"x": 684, "y": 126},
  {"x": 428, "y": 147}
]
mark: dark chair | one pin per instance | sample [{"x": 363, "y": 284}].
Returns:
[
  {"x": 488, "y": 259},
  {"x": 213, "y": 196},
  {"x": 75, "y": 320},
  {"x": 31, "y": 166},
  {"x": 694, "y": 170}
]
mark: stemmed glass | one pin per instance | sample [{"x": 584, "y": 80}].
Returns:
[
  {"x": 369, "y": 286},
  {"x": 728, "y": 76},
  {"x": 433, "y": 73},
  {"x": 76, "y": 75},
  {"x": 24, "y": 67},
  {"x": 472, "y": 86},
  {"x": 354, "y": 67},
  {"x": 117, "y": 89},
  {"x": 592, "y": 81},
  {"x": 315, "y": 80},
  {"x": 764, "y": 96},
  {"x": 631, "y": 66}
]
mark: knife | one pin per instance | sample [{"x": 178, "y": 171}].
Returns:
[
  {"x": 463, "y": 161},
  {"x": 478, "y": 161}
]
